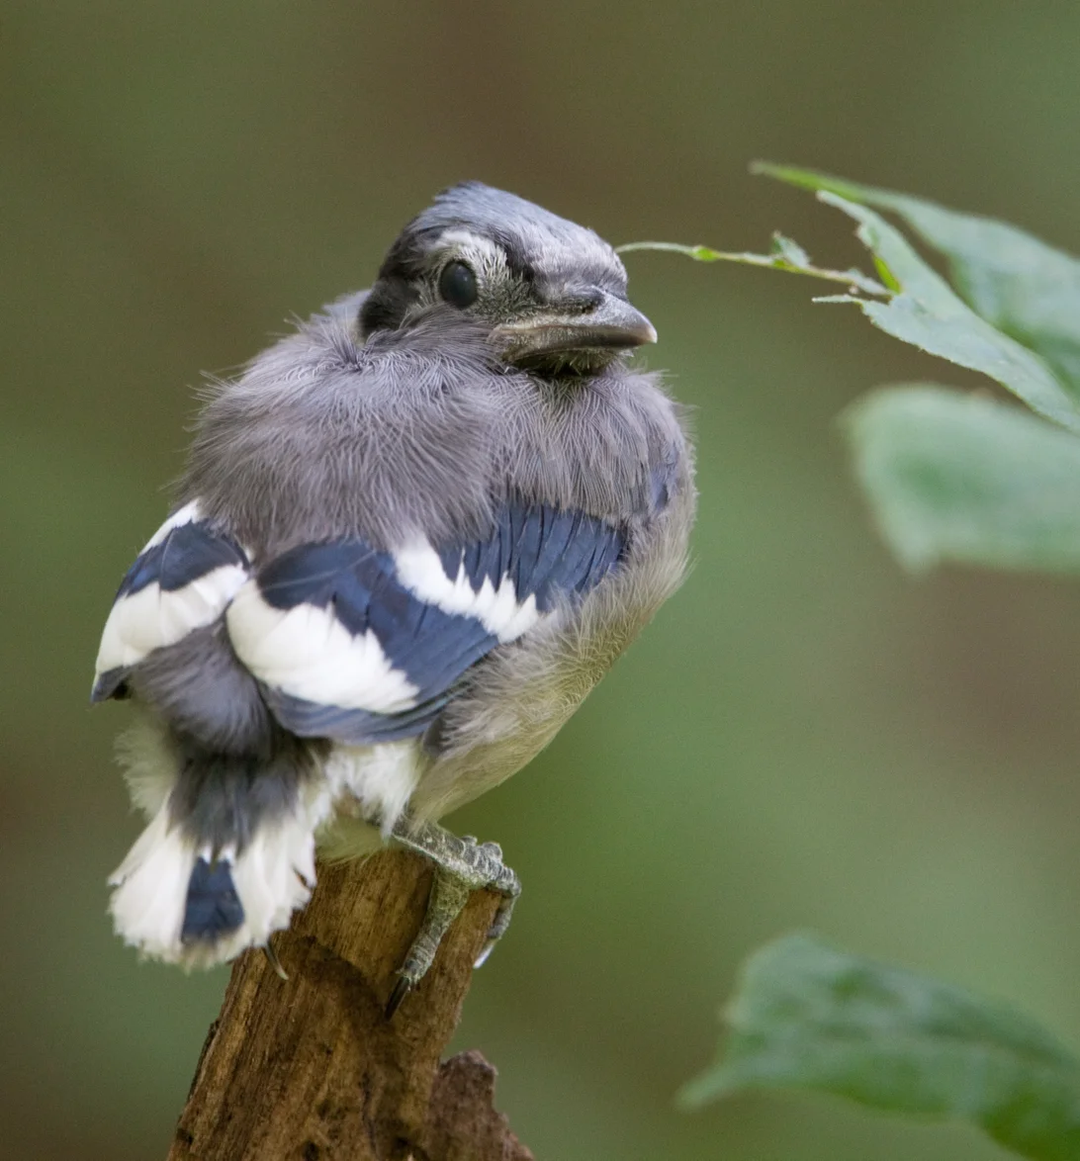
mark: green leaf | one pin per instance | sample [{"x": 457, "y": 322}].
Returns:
[
  {"x": 955, "y": 477},
  {"x": 912, "y": 302},
  {"x": 807, "y": 1016},
  {"x": 789, "y": 250},
  {"x": 1019, "y": 284},
  {"x": 929, "y": 314}
]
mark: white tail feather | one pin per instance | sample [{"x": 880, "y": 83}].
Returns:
[
  {"x": 151, "y": 889},
  {"x": 273, "y": 877}
]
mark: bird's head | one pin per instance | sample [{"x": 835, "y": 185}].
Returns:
[{"x": 549, "y": 295}]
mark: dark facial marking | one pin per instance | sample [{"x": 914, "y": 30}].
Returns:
[
  {"x": 516, "y": 261},
  {"x": 386, "y": 306}
]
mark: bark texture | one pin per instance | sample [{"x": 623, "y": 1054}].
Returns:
[{"x": 311, "y": 1069}]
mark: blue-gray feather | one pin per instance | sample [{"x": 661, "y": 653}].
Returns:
[
  {"x": 213, "y": 908},
  {"x": 545, "y": 552}
]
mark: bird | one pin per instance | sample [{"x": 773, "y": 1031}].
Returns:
[{"x": 409, "y": 538}]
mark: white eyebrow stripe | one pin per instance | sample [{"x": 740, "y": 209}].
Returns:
[{"x": 467, "y": 240}]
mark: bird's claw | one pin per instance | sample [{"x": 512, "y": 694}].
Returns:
[
  {"x": 275, "y": 963},
  {"x": 401, "y": 989},
  {"x": 461, "y": 867}
]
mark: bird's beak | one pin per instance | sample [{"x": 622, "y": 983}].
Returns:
[{"x": 588, "y": 320}]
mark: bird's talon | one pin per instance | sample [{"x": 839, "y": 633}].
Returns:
[
  {"x": 402, "y": 988},
  {"x": 275, "y": 963},
  {"x": 462, "y": 865}
]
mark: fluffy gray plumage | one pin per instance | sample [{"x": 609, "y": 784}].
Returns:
[{"x": 396, "y": 414}]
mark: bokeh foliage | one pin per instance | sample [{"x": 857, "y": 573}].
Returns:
[
  {"x": 950, "y": 478},
  {"x": 807, "y": 1016}
]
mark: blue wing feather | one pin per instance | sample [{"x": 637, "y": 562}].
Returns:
[
  {"x": 542, "y": 550},
  {"x": 185, "y": 554}
]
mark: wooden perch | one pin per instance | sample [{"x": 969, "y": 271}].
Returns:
[{"x": 311, "y": 1069}]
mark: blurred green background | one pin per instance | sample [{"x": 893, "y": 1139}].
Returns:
[{"x": 804, "y": 738}]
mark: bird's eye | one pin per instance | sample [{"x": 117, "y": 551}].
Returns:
[{"x": 457, "y": 284}]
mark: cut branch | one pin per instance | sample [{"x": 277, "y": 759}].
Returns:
[{"x": 310, "y": 1068}]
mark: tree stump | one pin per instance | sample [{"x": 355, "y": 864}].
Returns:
[{"x": 311, "y": 1069}]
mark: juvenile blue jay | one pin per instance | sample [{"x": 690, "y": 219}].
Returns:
[{"x": 409, "y": 540}]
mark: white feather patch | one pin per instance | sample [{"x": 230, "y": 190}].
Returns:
[
  {"x": 380, "y": 778},
  {"x": 477, "y": 245},
  {"x": 308, "y": 653},
  {"x": 150, "y": 619},
  {"x": 186, "y": 515},
  {"x": 420, "y": 570},
  {"x": 273, "y": 877},
  {"x": 151, "y": 889}
]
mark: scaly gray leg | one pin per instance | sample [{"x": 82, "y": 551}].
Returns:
[{"x": 462, "y": 865}]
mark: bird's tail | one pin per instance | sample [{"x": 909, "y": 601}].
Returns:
[{"x": 228, "y": 855}]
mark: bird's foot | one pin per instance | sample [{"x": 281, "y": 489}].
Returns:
[{"x": 462, "y": 865}]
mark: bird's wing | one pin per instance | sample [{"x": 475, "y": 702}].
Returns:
[
  {"x": 181, "y": 581},
  {"x": 360, "y": 645}
]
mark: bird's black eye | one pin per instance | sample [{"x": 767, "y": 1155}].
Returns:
[{"x": 457, "y": 284}]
